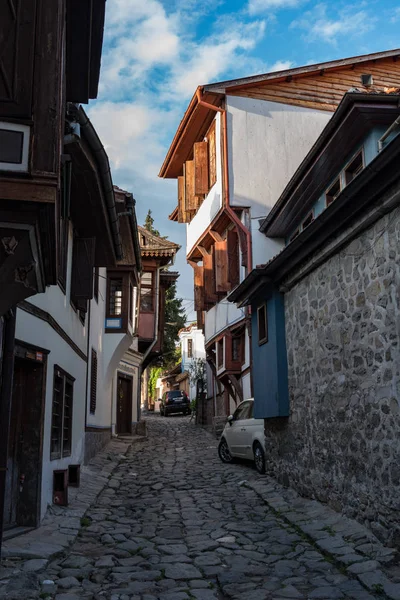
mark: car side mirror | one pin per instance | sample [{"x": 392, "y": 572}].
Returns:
[{"x": 230, "y": 419}]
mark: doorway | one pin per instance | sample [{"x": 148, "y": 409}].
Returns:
[
  {"x": 124, "y": 405},
  {"x": 24, "y": 463}
]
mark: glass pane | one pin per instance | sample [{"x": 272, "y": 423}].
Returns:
[
  {"x": 116, "y": 297},
  {"x": 147, "y": 279},
  {"x": 146, "y": 299},
  {"x": 56, "y": 424},
  {"x": 67, "y": 425}
]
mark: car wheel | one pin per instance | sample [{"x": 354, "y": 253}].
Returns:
[
  {"x": 165, "y": 413},
  {"x": 259, "y": 458},
  {"x": 224, "y": 452}
]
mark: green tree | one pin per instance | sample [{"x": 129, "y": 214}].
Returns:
[
  {"x": 148, "y": 224},
  {"x": 155, "y": 373},
  {"x": 175, "y": 319}
]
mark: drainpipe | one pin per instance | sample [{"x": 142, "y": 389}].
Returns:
[
  {"x": 387, "y": 133},
  {"x": 150, "y": 348},
  {"x": 227, "y": 206}
]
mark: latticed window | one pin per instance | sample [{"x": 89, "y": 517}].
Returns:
[
  {"x": 61, "y": 425},
  {"x": 115, "y": 307},
  {"x": 146, "y": 292},
  {"x": 190, "y": 348},
  {"x": 93, "y": 383}
]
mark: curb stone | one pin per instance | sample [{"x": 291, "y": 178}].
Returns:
[{"x": 353, "y": 547}]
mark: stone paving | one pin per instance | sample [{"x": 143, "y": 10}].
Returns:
[{"x": 174, "y": 523}]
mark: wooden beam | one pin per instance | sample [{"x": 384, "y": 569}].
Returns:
[{"x": 217, "y": 236}]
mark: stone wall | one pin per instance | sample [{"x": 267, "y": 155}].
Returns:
[
  {"x": 94, "y": 442},
  {"x": 341, "y": 442}
]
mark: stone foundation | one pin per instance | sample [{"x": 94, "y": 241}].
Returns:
[
  {"x": 94, "y": 442},
  {"x": 341, "y": 442}
]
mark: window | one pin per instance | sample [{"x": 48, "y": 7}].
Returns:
[
  {"x": 220, "y": 353},
  {"x": 262, "y": 324},
  {"x": 190, "y": 349},
  {"x": 93, "y": 383},
  {"x": 237, "y": 349},
  {"x": 131, "y": 296},
  {"x": 333, "y": 192},
  {"x": 115, "y": 304},
  {"x": 354, "y": 168},
  {"x": 307, "y": 221},
  {"x": 146, "y": 292},
  {"x": 294, "y": 236},
  {"x": 233, "y": 257},
  {"x": 243, "y": 411},
  {"x": 61, "y": 425}
]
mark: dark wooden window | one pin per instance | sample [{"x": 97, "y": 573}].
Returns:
[
  {"x": 190, "y": 349},
  {"x": 93, "y": 383},
  {"x": 238, "y": 349},
  {"x": 61, "y": 424},
  {"x": 115, "y": 300},
  {"x": 82, "y": 271},
  {"x": 262, "y": 324},
  {"x": 146, "y": 292},
  {"x": 131, "y": 307},
  {"x": 220, "y": 353},
  {"x": 233, "y": 257},
  {"x": 333, "y": 192},
  {"x": 355, "y": 167},
  {"x": 96, "y": 277},
  {"x": 308, "y": 220}
]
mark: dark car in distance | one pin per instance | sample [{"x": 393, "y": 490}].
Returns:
[{"x": 175, "y": 401}]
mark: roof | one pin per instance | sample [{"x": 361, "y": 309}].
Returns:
[
  {"x": 223, "y": 86},
  {"x": 372, "y": 107},
  {"x": 198, "y": 117},
  {"x": 189, "y": 328},
  {"x": 153, "y": 245}
]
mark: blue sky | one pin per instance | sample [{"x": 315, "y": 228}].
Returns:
[{"x": 157, "y": 52}]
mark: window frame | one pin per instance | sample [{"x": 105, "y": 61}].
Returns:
[
  {"x": 66, "y": 379},
  {"x": 262, "y": 340},
  {"x": 338, "y": 180},
  {"x": 93, "y": 382},
  {"x": 360, "y": 152},
  {"x": 310, "y": 218},
  {"x": 190, "y": 348},
  {"x": 220, "y": 347},
  {"x": 147, "y": 287},
  {"x": 114, "y": 315}
]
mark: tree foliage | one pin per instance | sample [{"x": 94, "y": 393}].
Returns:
[
  {"x": 175, "y": 319},
  {"x": 155, "y": 373},
  {"x": 148, "y": 224},
  {"x": 197, "y": 374}
]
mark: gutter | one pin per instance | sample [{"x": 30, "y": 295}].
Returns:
[
  {"x": 393, "y": 126},
  {"x": 130, "y": 205},
  {"x": 105, "y": 172}
]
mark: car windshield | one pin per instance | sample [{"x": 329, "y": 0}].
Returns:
[
  {"x": 244, "y": 411},
  {"x": 175, "y": 394}
]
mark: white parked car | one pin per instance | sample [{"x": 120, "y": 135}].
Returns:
[{"x": 243, "y": 437}]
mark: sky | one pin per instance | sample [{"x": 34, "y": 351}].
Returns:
[{"x": 156, "y": 52}]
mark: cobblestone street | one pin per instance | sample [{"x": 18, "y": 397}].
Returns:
[{"x": 174, "y": 523}]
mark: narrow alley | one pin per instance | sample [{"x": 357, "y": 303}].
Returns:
[{"x": 174, "y": 523}]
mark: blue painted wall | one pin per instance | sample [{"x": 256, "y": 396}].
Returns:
[{"x": 270, "y": 379}]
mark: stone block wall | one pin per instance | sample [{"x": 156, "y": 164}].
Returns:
[
  {"x": 341, "y": 442},
  {"x": 94, "y": 442}
]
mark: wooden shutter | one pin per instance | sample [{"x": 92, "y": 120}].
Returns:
[
  {"x": 17, "y": 23},
  {"x": 93, "y": 383},
  {"x": 82, "y": 268},
  {"x": 221, "y": 266},
  {"x": 201, "y": 168},
  {"x": 233, "y": 257},
  {"x": 199, "y": 303},
  {"x": 209, "y": 279},
  {"x": 182, "y": 214},
  {"x": 190, "y": 200},
  {"x": 212, "y": 156}
]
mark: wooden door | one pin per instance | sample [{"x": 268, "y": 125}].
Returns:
[
  {"x": 124, "y": 406},
  {"x": 23, "y": 480}
]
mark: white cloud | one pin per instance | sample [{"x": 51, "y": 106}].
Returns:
[
  {"x": 281, "y": 65},
  {"x": 256, "y": 7},
  {"x": 153, "y": 60},
  {"x": 395, "y": 15},
  {"x": 319, "y": 26}
]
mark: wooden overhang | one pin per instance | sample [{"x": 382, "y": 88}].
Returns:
[
  {"x": 93, "y": 209},
  {"x": 365, "y": 192},
  {"x": 193, "y": 127},
  {"x": 125, "y": 206},
  {"x": 219, "y": 224},
  {"x": 356, "y": 115},
  {"x": 84, "y": 42},
  {"x": 154, "y": 246},
  {"x": 319, "y": 88}
]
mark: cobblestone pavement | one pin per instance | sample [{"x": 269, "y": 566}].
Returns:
[{"x": 174, "y": 523}]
